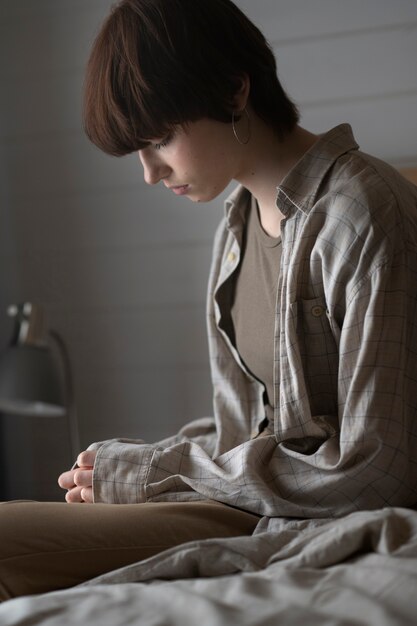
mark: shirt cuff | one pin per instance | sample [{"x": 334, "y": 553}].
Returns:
[{"x": 120, "y": 472}]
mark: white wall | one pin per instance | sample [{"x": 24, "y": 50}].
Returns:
[{"x": 121, "y": 268}]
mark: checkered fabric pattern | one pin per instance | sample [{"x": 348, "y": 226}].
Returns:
[{"x": 345, "y": 358}]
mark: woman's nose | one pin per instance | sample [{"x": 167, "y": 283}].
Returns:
[{"x": 154, "y": 169}]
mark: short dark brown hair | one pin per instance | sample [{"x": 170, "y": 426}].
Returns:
[{"x": 156, "y": 64}]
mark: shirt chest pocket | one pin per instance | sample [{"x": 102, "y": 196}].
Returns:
[{"x": 318, "y": 341}]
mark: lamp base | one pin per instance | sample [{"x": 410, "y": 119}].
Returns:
[{"x": 33, "y": 452}]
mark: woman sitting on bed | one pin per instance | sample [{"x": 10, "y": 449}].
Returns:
[{"x": 312, "y": 308}]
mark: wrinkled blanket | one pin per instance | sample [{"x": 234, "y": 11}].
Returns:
[{"x": 361, "y": 569}]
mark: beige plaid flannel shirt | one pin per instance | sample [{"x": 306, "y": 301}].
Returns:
[{"x": 345, "y": 359}]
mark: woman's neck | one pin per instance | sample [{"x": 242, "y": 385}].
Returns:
[{"x": 266, "y": 163}]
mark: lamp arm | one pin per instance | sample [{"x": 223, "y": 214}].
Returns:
[{"x": 72, "y": 421}]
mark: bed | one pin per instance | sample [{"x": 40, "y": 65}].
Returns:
[{"x": 360, "y": 569}]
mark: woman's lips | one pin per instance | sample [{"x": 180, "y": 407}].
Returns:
[{"x": 179, "y": 190}]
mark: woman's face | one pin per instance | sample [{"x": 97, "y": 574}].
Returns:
[{"x": 197, "y": 161}]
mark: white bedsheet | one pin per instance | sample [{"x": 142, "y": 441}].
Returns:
[{"x": 361, "y": 569}]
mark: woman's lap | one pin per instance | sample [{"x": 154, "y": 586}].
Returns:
[{"x": 53, "y": 545}]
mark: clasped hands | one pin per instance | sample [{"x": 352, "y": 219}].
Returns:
[{"x": 79, "y": 481}]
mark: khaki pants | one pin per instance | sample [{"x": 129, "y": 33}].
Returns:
[{"x": 46, "y": 546}]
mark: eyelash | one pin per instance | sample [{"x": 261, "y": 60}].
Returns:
[{"x": 163, "y": 143}]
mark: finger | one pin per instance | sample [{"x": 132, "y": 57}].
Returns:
[
  {"x": 66, "y": 480},
  {"x": 87, "y": 494},
  {"x": 74, "y": 495},
  {"x": 83, "y": 477},
  {"x": 86, "y": 458}
]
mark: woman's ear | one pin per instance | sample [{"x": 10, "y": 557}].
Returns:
[{"x": 241, "y": 95}]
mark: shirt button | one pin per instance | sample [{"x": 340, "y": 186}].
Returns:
[
  {"x": 317, "y": 311},
  {"x": 231, "y": 257}
]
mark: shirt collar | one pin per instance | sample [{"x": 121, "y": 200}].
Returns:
[
  {"x": 299, "y": 188},
  {"x": 235, "y": 208}
]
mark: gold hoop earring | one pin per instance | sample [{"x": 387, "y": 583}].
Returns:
[{"x": 244, "y": 141}]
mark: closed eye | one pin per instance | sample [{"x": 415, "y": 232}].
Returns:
[{"x": 163, "y": 143}]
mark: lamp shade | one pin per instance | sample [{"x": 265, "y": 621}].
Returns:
[{"x": 29, "y": 382}]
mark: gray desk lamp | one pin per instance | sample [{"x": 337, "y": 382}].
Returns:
[{"x": 31, "y": 383}]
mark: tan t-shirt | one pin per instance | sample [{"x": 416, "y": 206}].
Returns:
[{"x": 254, "y": 303}]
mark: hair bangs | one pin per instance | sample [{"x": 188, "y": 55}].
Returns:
[{"x": 120, "y": 96}]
